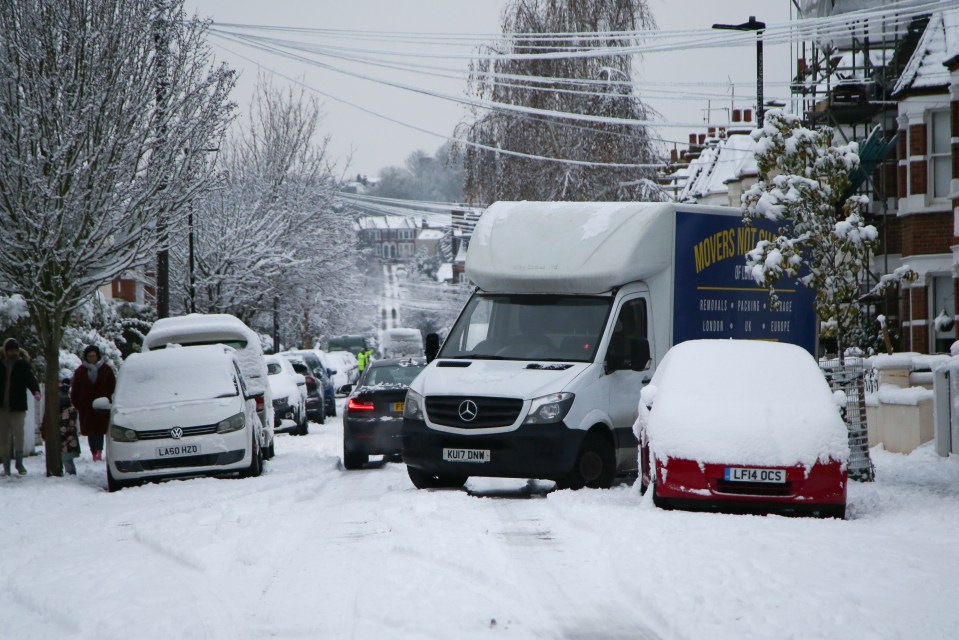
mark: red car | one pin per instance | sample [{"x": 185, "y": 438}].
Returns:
[{"x": 743, "y": 426}]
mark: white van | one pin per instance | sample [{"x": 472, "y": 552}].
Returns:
[
  {"x": 577, "y": 303},
  {"x": 401, "y": 342},
  {"x": 181, "y": 412},
  {"x": 197, "y": 329}
]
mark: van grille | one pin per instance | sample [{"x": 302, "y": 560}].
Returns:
[
  {"x": 490, "y": 412},
  {"x": 159, "y": 434}
]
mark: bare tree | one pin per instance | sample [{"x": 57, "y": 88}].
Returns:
[
  {"x": 275, "y": 228},
  {"x": 599, "y": 86},
  {"x": 90, "y": 161}
]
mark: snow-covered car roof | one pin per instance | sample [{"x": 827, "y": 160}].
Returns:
[{"x": 744, "y": 402}]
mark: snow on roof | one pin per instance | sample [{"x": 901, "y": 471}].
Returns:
[
  {"x": 742, "y": 402},
  {"x": 445, "y": 272},
  {"x": 430, "y": 234},
  {"x": 570, "y": 247},
  {"x": 215, "y": 325},
  {"x": 386, "y": 222},
  {"x": 461, "y": 253},
  {"x": 731, "y": 159},
  {"x": 939, "y": 43}
]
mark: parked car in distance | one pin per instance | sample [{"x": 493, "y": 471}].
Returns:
[
  {"x": 289, "y": 402},
  {"x": 347, "y": 368},
  {"x": 181, "y": 412},
  {"x": 198, "y": 329},
  {"x": 373, "y": 414},
  {"x": 315, "y": 401},
  {"x": 316, "y": 361},
  {"x": 743, "y": 426}
]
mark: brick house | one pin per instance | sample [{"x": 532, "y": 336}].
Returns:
[
  {"x": 927, "y": 202},
  {"x": 393, "y": 238}
]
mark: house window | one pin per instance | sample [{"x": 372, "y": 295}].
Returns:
[
  {"x": 943, "y": 330},
  {"x": 940, "y": 155}
]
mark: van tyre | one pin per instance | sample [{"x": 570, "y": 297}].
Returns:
[
  {"x": 423, "y": 480},
  {"x": 595, "y": 466},
  {"x": 353, "y": 461}
]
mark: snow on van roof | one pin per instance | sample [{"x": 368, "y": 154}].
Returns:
[
  {"x": 167, "y": 330},
  {"x": 571, "y": 247},
  {"x": 742, "y": 402}
]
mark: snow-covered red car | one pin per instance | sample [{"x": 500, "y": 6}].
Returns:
[{"x": 743, "y": 426}]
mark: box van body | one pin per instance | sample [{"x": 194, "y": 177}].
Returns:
[
  {"x": 198, "y": 329},
  {"x": 182, "y": 412},
  {"x": 401, "y": 343},
  {"x": 576, "y": 305}
]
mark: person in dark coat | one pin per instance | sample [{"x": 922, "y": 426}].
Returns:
[
  {"x": 16, "y": 377},
  {"x": 93, "y": 379}
]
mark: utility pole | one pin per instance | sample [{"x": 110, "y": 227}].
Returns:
[
  {"x": 161, "y": 41},
  {"x": 758, "y": 27}
]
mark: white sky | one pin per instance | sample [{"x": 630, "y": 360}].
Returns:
[{"x": 373, "y": 143}]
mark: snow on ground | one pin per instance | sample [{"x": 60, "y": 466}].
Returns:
[{"x": 309, "y": 550}]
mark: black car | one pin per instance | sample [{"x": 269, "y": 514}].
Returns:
[{"x": 373, "y": 413}]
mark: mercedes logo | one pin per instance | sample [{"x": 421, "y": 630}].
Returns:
[
  {"x": 468, "y": 411},
  {"x": 176, "y": 433}
]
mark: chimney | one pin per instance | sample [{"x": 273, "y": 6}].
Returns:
[
  {"x": 712, "y": 132},
  {"x": 702, "y": 138},
  {"x": 737, "y": 115},
  {"x": 692, "y": 138},
  {"x": 673, "y": 155},
  {"x": 747, "y": 115}
]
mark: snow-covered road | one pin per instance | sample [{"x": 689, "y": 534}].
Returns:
[{"x": 311, "y": 551}]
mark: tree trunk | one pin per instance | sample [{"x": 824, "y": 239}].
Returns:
[{"x": 51, "y": 410}]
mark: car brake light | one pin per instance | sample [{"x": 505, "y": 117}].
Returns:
[
  {"x": 259, "y": 403},
  {"x": 358, "y": 405}
]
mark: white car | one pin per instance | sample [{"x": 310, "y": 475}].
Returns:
[
  {"x": 181, "y": 412},
  {"x": 345, "y": 363},
  {"x": 197, "y": 329},
  {"x": 289, "y": 396}
]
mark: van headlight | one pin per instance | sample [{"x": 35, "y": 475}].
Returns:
[
  {"x": 549, "y": 409},
  {"x": 122, "y": 434},
  {"x": 413, "y": 407},
  {"x": 233, "y": 423}
]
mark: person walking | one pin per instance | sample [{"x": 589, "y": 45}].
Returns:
[
  {"x": 93, "y": 379},
  {"x": 16, "y": 377}
]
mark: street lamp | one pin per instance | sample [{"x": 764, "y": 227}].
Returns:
[{"x": 758, "y": 27}]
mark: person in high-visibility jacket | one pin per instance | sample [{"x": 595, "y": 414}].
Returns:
[{"x": 364, "y": 358}]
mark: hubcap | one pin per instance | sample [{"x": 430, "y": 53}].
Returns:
[{"x": 591, "y": 466}]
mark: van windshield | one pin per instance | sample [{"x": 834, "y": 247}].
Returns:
[{"x": 529, "y": 327}]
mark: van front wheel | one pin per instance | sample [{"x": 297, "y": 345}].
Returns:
[{"x": 595, "y": 465}]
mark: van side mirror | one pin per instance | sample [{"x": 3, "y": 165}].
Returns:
[
  {"x": 253, "y": 395},
  {"x": 102, "y": 404},
  {"x": 639, "y": 355},
  {"x": 432, "y": 346}
]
